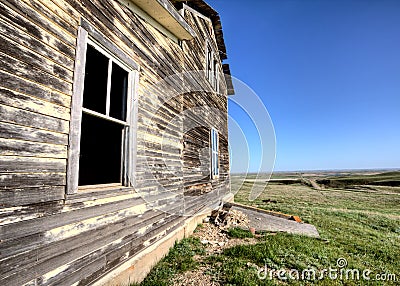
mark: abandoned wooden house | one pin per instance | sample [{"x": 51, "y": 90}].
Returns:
[{"x": 113, "y": 135}]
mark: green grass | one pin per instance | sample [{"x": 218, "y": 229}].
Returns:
[
  {"x": 359, "y": 225},
  {"x": 237, "y": 232},
  {"x": 179, "y": 259},
  {"x": 362, "y": 227}
]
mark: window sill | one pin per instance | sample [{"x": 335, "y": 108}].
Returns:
[{"x": 95, "y": 192}]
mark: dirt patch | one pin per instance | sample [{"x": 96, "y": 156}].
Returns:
[
  {"x": 215, "y": 239},
  {"x": 196, "y": 277}
]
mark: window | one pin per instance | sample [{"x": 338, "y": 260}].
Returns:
[
  {"x": 104, "y": 119},
  {"x": 212, "y": 67},
  {"x": 209, "y": 63},
  {"x": 216, "y": 78},
  {"x": 101, "y": 141},
  {"x": 214, "y": 154}
]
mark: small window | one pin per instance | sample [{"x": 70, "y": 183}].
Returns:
[
  {"x": 209, "y": 63},
  {"x": 216, "y": 77},
  {"x": 212, "y": 67},
  {"x": 214, "y": 154},
  {"x": 104, "y": 125}
]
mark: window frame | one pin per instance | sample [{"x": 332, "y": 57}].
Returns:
[
  {"x": 88, "y": 35},
  {"x": 209, "y": 62},
  {"x": 212, "y": 66},
  {"x": 214, "y": 152},
  {"x": 216, "y": 77},
  {"x": 111, "y": 59}
]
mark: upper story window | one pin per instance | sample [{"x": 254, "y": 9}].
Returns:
[
  {"x": 216, "y": 76},
  {"x": 212, "y": 67},
  {"x": 209, "y": 62}
]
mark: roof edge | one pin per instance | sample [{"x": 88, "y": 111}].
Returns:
[
  {"x": 228, "y": 79},
  {"x": 166, "y": 15}
]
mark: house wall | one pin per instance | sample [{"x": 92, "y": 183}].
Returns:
[
  {"x": 46, "y": 236},
  {"x": 210, "y": 111}
]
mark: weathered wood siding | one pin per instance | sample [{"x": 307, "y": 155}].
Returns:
[
  {"x": 210, "y": 111},
  {"x": 46, "y": 236}
]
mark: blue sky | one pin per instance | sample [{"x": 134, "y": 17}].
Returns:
[{"x": 328, "y": 73}]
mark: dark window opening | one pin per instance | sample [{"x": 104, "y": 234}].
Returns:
[
  {"x": 100, "y": 151},
  {"x": 95, "y": 85},
  {"x": 119, "y": 88},
  {"x": 103, "y": 119},
  {"x": 209, "y": 63}
]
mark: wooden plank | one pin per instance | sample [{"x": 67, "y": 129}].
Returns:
[
  {"x": 63, "y": 251},
  {"x": 31, "y": 195},
  {"x": 20, "y": 37},
  {"x": 97, "y": 193},
  {"x": 12, "y": 147},
  {"x": 35, "y": 247},
  {"x": 49, "y": 222},
  {"x": 76, "y": 113},
  {"x": 33, "y": 73},
  {"x": 115, "y": 252},
  {"x": 26, "y": 118},
  {"x": 25, "y": 24},
  {"x": 32, "y": 58},
  {"x": 38, "y": 19},
  {"x": 59, "y": 9},
  {"x": 15, "y": 215},
  {"x": 26, "y": 86},
  {"x": 22, "y": 101},
  {"x": 63, "y": 25},
  {"x": 13, "y": 164},
  {"x": 63, "y": 6},
  {"x": 13, "y": 131},
  {"x": 19, "y": 180}
]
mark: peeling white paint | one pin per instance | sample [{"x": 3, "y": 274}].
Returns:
[
  {"x": 102, "y": 201},
  {"x": 54, "y": 272},
  {"x": 77, "y": 228}
]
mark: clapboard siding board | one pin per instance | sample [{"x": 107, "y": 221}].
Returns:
[
  {"x": 31, "y": 195},
  {"x": 31, "y": 119},
  {"x": 31, "y": 72},
  {"x": 48, "y": 237},
  {"x": 24, "y": 24},
  {"x": 29, "y": 18},
  {"x": 13, "y": 147},
  {"x": 26, "y": 102},
  {"x": 24, "y": 39},
  {"x": 15, "y": 164},
  {"x": 30, "y": 57},
  {"x": 27, "y": 86},
  {"x": 14, "y": 131},
  {"x": 21, "y": 180}
]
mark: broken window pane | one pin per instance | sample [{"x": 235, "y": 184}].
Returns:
[
  {"x": 119, "y": 89},
  {"x": 95, "y": 85}
]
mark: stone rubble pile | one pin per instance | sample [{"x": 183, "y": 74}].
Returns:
[
  {"x": 226, "y": 219},
  {"x": 213, "y": 231}
]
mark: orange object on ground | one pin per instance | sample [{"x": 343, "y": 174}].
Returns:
[{"x": 296, "y": 218}]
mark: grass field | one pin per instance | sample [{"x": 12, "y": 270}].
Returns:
[{"x": 358, "y": 220}]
